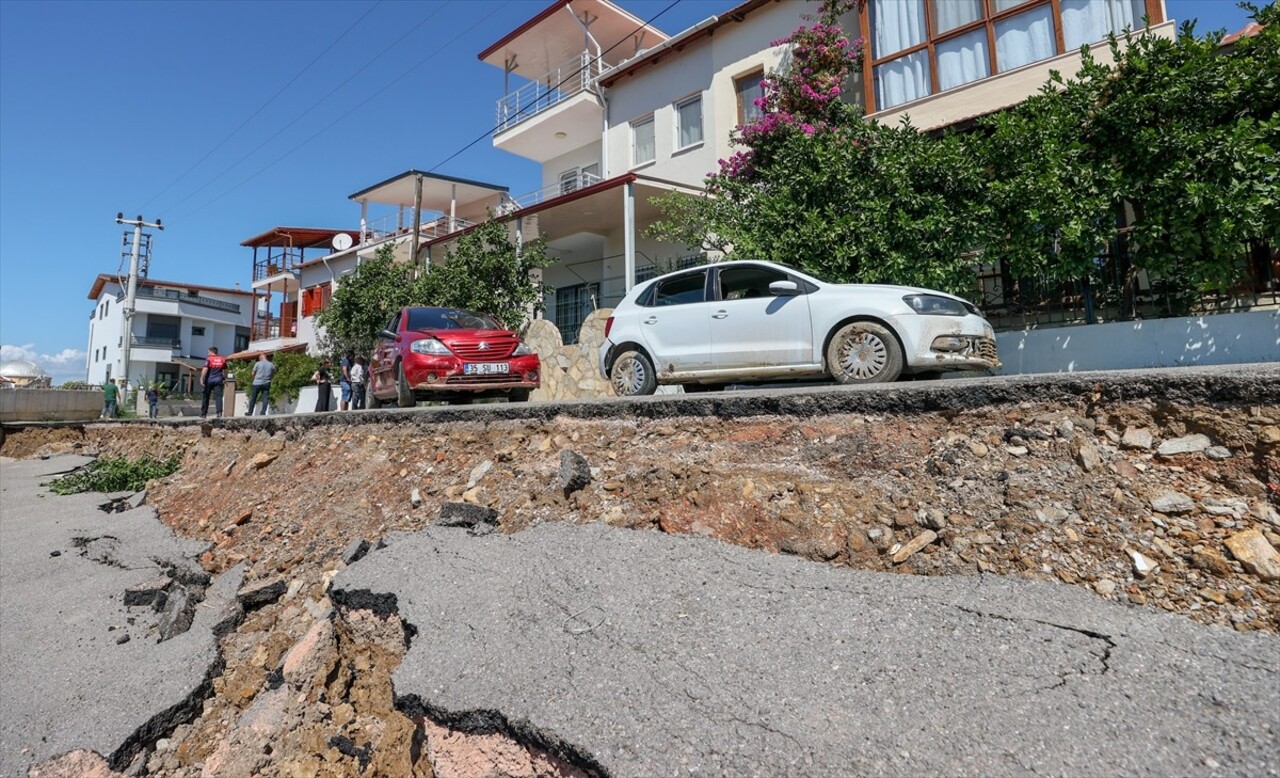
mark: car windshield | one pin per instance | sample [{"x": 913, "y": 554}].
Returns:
[{"x": 448, "y": 319}]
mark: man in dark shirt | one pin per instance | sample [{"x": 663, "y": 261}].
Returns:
[{"x": 211, "y": 377}]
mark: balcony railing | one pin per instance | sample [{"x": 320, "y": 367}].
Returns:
[
  {"x": 564, "y": 81},
  {"x": 156, "y": 342},
  {"x": 183, "y": 297},
  {"x": 267, "y": 329},
  {"x": 564, "y": 187},
  {"x": 432, "y": 226}
]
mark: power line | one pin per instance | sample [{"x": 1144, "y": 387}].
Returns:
[
  {"x": 437, "y": 9},
  {"x": 263, "y": 107},
  {"x": 563, "y": 81},
  {"x": 335, "y": 122}
]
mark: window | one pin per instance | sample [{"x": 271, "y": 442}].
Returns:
[
  {"x": 737, "y": 283},
  {"x": 682, "y": 290},
  {"x": 241, "y": 339},
  {"x": 642, "y": 146},
  {"x": 921, "y": 47},
  {"x": 748, "y": 90},
  {"x": 689, "y": 122},
  {"x": 315, "y": 299},
  {"x": 573, "y": 305},
  {"x": 577, "y": 178},
  {"x": 197, "y": 332}
]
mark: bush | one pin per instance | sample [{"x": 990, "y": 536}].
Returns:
[
  {"x": 114, "y": 474},
  {"x": 293, "y": 371}
]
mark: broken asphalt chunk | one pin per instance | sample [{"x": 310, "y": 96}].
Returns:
[
  {"x": 575, "y": 473},
  {"x": 461, "y": 514},
  {"x": 255, "y": 595},
  {"x": 355, "y": 551},
  {"x": 146, "y": 593}
]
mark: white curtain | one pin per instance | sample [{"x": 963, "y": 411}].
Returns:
[
  {"x": 962, "y": 59},
  {"x": 950, "y": 14},
  {"x": 898, "y": 24},
  {"x": 1089, "y": 21},
  {"x": 1025, "y": 38},
  {"x": 902, "y": 80}
]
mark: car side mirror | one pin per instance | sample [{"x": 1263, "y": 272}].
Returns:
[
  {"x": 388, "y": 334},
  {"x": 784, "y": 288}
]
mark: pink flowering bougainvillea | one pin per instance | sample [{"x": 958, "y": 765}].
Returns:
[{"x": 804, "y": 97}]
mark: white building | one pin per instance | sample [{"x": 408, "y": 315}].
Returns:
[{"x": 170, "y": 332}]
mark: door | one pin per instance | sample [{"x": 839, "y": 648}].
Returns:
[
  {"x": 750, "y": 327},
  {"x": 382, "y": 363},
  {"x": 676, "y": 326}
]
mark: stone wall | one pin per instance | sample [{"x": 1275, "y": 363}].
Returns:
[{"x": 570, "y": 372}]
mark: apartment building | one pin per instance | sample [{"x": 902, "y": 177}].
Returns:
[{"x": 170, "y": 332}]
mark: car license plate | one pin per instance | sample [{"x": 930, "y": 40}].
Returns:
[{"x": 486, "y": 368}]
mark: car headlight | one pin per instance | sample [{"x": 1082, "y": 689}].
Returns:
[
  {"x": 935, "y": 305},
  {"x": 522, "y": 351},
  {"x": 430, "y": 346}
]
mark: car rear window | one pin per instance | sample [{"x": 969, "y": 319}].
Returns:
[
  {"x": 448, "y": 319},
  {"x": 682, "y": 290}
]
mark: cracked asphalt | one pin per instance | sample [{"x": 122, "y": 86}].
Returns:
[
  {"x": 66, "y": 680},
  {"x": 640, "y": 653}
]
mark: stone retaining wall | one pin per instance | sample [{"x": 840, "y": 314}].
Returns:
[{"x": 50, "y": 404}]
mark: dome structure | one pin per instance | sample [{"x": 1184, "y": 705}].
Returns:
[{"x": 21, "y": 372}]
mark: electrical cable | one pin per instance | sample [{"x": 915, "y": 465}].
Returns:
[
  {"x": 263, "y": 107},
  {"x": 562, "y": 82},
  {"x": 437, "y": 8},
  {"x": 338, "y": 120}
]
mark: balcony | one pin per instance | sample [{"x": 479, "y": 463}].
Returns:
[
  {"x": 157, "y": 342},
  {"x": 564, "y": 187},
  {"x": 397, "y": 224},
  {"x": 268, "y": 329},
  {"x": 183, "y": 297},
  {"x": 564, "y": 102}
]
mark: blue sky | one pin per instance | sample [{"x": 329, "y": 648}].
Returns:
[{"x": 227, "y": 118}]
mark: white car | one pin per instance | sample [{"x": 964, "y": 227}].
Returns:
[{"x": 749, "y": 321}]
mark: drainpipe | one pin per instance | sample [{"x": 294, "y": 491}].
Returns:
[{"x": 629, "y": 233}]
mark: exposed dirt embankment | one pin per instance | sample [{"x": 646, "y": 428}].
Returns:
[{"x": 1162, "y": 499}]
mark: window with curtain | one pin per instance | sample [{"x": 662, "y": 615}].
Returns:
[
  {"x": 642, "y": 146},
  {"x": 689, "y": 122},
  {"x": 748, "y": 90},
  {"x": 921, "y": 47}
]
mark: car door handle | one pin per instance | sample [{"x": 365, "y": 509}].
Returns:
[
  {"x": 720, "y": 314},
  {"x": 651, "y": 320}
]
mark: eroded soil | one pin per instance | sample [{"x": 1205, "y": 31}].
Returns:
[{"x": 1043, "y": 490}]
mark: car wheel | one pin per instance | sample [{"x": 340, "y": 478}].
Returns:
[
  {"x": 632, "y": 374},
  {"x": 371, "y": 400},
  {"x": 518, "y": 396},
  {"x": 864, "y": 353},
  {"x": 404, "y": 395}
]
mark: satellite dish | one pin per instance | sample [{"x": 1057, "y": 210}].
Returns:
[{"x": 342, "y": 241}]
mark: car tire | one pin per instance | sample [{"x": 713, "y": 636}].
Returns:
[
  {"x": 371, "y": 400},
  {"x": 518, "y": 395},
  {"x": 864, "y": 352},
  {"x": 632, "y": 375},
  {"x": 404, "y": 394}
]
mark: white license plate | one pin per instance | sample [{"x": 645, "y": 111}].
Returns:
[{"x": 486, "y": 368}]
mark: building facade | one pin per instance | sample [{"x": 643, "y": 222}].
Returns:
[{"x": 169, "y": 334}]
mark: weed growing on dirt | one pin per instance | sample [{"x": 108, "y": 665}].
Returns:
[{"x": 114, "y": 474}]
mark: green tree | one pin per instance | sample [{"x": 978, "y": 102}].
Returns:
[
  {"x": 486, "y": 272},
  {"x": 293, "y": 371},
  {"x": 364, "y": 302}
]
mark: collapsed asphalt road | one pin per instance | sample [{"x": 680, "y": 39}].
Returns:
[
  {"x": 639, "y": 653},
  {"x": 78, "y": 668}
]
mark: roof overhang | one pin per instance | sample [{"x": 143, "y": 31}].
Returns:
[
  {"x": 103, "y": 278},
  {"x": 438, "y": 191},
  {"x": 556, "y": 36},
  {"x": 255, "y": 353},
  {"x": 298, "y": 237}
]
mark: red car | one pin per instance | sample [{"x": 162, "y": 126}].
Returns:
[{"x": 449, "y": 354}]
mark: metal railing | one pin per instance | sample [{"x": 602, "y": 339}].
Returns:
[
  {"x": 395, "y": 224},
  {"x": 156, "y": 342},
  {"x": 183, "y": 297},
  {"x": 564, "y": 81},
  {"x": 552, "y": 191},
  {"x": 267, "y": 329}
]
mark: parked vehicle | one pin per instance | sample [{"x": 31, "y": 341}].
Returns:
[
  {"x": 750, "y": 321},
  {"x": 449, "y": 354}
]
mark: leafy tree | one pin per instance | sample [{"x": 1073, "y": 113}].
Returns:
[
  {"x": 364, "y": 302},
  {"x": 293, "y": 371},
  {"x": 485, "y": 272}
]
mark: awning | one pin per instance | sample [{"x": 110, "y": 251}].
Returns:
[{"x": 255, "y": 353}]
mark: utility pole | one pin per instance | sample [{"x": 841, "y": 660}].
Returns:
[{"x": 131, "y": 297}]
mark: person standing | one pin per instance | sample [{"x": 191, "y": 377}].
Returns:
[
  {"x": 153, "y": 402},
  {"x": 344, "y": 380},
  {"x": 324, "y": 386},
  {"x": 263, "y": 371},
  {"x": 359, "y": 378},
  {"x": 211, "y": 377},
  {"x": 110, "y": 399}
]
